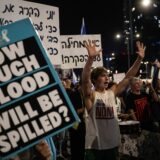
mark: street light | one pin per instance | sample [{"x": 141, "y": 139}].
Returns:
[
  {"x": 131, "y": 30},
  {"x": 130, "y": 8},
  {"x": 137, "y": 35},
  {"x": 118, "y": 36},
  {"x": 146, "y": 3},
  {"x": 128, "y": 25}
]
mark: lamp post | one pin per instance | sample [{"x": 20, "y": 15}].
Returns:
[
  {"x": 130, "y": 8},
  {"x": 128, "y": 29},
  {"x": 146, "y": 3},
  {"x": 131, "y": 29}
]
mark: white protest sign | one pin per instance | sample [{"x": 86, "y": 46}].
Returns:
[
  {"x": 33, "y": 102},
  {"x": 118, "y": 77},
  {"x": 45, "y": 19},
  {"x": 74, "y": 54}
]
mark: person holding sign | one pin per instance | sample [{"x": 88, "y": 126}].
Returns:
[
  {"x": 41, "y": 151},
  {"x": 102, "y": 129}
]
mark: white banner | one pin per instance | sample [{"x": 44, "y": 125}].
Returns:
[
  {"x": 74, "y": 54},
  {"x": 45, "y": 20},
  {"x": 118, "y": 77}
]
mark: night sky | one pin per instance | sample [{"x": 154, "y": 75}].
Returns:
[{"x": 101, "y": 17}]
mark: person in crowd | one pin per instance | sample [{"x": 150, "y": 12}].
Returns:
[
  {"x": 77, "y": 132},
  {"x": 63, "y": 139},
  {"x": 67, "y": 84},
  {"x": 41, "y": 151},
  {"x": 157, "y": 104},
  {"x": 156, "y": 72},
  {"x": 139, "y": 103},
  {"x": 156, "y": 85},
  {"x": 157, "y": 89},
  {"x": 102, "y": 129}
]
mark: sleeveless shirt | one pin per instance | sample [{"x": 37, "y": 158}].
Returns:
[{"x": 102, "y": 129}]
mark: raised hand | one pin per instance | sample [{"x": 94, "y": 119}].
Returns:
[
  {"x": 141, "y": 49},
  {"x": 91, "y": 48}
]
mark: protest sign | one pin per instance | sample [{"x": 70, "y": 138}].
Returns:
[
  {"x": 45, "y": 20},
  {"x": 33, "y": 102},
  {"x": 74, "y": 53}
]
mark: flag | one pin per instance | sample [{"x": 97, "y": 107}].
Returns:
[{"x": 83, "y": 28}]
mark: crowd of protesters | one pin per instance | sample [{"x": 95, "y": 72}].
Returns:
[
  {"x": 100, "y": 104},
  {"x": 105, "y": 103}
]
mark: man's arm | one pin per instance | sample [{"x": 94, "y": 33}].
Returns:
[
  {"x": 132, "y": 114},
  {"x": 133, "y": 70},
  {"x": 136, "y": 65},
  {"x": 86, "y": 73}
]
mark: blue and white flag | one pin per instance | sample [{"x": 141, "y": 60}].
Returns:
[{"x": 83, "y": 27}]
